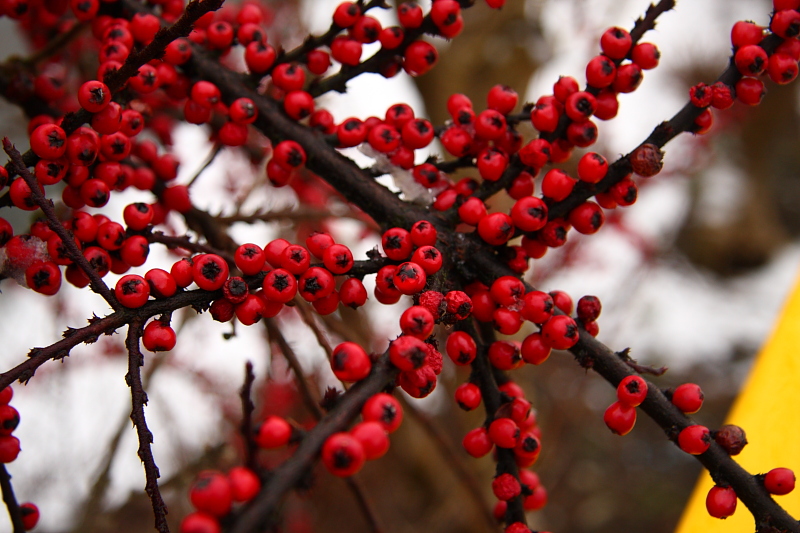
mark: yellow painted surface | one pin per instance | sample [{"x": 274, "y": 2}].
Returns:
[{"x": 768, "y": 408}]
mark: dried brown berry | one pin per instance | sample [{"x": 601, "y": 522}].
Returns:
[
  {"x": 647, "y": 160},
  {"x": 731, "y": 438}
]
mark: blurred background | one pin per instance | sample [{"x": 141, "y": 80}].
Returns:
[{"x": 692, "y": 277}]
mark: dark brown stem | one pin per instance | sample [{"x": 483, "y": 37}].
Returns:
[
  {"x": 492, "y": 401},
  {"x": 10, "y": 500},
  {"x": 138, "y": 400},
  {"x": 312, "y": 404},
  {"x": 288, "y": 474},
  {"x": 68, "y": 240},
  {"x": 246, "y": 428}
]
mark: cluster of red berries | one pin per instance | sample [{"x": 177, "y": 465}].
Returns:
[
  {"x": 343, "y": 453},
  {"x": 214, "y": 495},
  {"x": 753, "y": 61}
]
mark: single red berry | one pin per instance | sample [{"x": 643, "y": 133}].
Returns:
[
  {"x": 373, "y": 438},
  {"x": 504, "y": 432},
  {"x": 785, "y": 23},
  {"x": 646, "y": 55},
  {"x": 504, "y": 355},
  {"x": 410, "y": 15},
  {"x": 694, "y": 440},
  {"x": 93, "y": 96},
  {"x": 477, "y": 442},
  {"x": 505, "y": 487},
  {"x": 782, "y": 68},
  {"x": 721, "y": 501},
  {"x": 210, "y": 271},
  {"x": 181, "y": 271},
  {"x": 397, "y": 244},
  {"x": 343, "y": 454},
  {"x": 162, "y": 283},
  {"x": 280, "y": 286},
  {"x": 346, "y": 14},
  {"x": 352, "y": 293},
  {"x": 496, "y": 228},
  {"x": 244, "y": 484},
  {"x": 688, "y": 398},
  {"x": 407, "y": 353},
  {"x": 534, "y": 350},
  {"x": 779, "y": 481},
  {"x": 417, "y": 321},
  {"x": 338, "y": 258},
  {"x": 461, "y": 348},
  {"x": 750, "y": 91},
  {"x": 295, "y": 258},
  {"x": 468, "y": 396},
  {"x": 158, "y": 337},
  {"x": 620, "y": 418},
  {"x": 350, "y": 362},
  {"x": 419, "y": 58},
  {"x": 132, "y": 291},
  {"x": 235, "y": 290},
  {"x": 274, "y": 432},
  {"x": 383, "y": 408},
  {"x": 557, "y": 184},
  {"x": 615, "y": 43},
  {"x": 198, "y": 522},
  {"x": 30, "y": 515},
  {"x": 560, "y": 332},
  {"x": 250, "y": 259},
  {"x": 9, "y": 449},
  {"x": 315, "y": 283},
  {"x": 211, "y": 493},
  {"x": 9, "y": 419},
  {"x": 600, "y": 72},
  {"x": 632, "y": 390},
  {"x": 744, "y": 33}
]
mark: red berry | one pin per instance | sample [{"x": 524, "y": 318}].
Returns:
[
  {"x": 468, "y": 396},
  {"x": 210, "y": 271},
  {"x": 505, "y": 487},
  {"x": 158, "y": 337},
  {"x": 132, "y": 291},
  {"x": 477, "y": 442},
  {"x": 199, "y": 523},
  {"x": 688, "y": 398},
  {"x": 373, "y": 438},
  {"x": 533, "y": 349},
  {"x": 350, "y": 362},
  {"x": 343, "y": 454},
  {"x": 385, "y": 409},
  {"x": 274, "y": 432},
  {"x": 30, "y": 515},
  {"x": 615, "y": 43},
  {"x": 620, "y": 418},
  {"x": 721, "y": 501},
  {"x": 211, "y": 493},
  {"x": 632, "y": 390},
  {"x": 694, "y": 440},
  {"x": 496, "y": 228},
  {"x": 407, "y": 353},
  {"x": 779, "y": 481},
  {"x": 504, "y": 432},
  {"x": 560, "y": 332},
  {"x": 244, "y": 484}
]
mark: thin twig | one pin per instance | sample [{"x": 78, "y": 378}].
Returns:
[
  {"x": 138, "y": 400},
  {"x": 210, "y": 159},
  {"x": 246, "y": 428},
  {"x": 275, "y": 335},
  {"x": 10, "y": 500},
  {"x": 310, "y": 320}
]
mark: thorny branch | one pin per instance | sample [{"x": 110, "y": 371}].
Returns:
[{"x": 138, "y": 400}]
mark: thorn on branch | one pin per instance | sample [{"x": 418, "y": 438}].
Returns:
[{"x": 640, "y": 369}]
